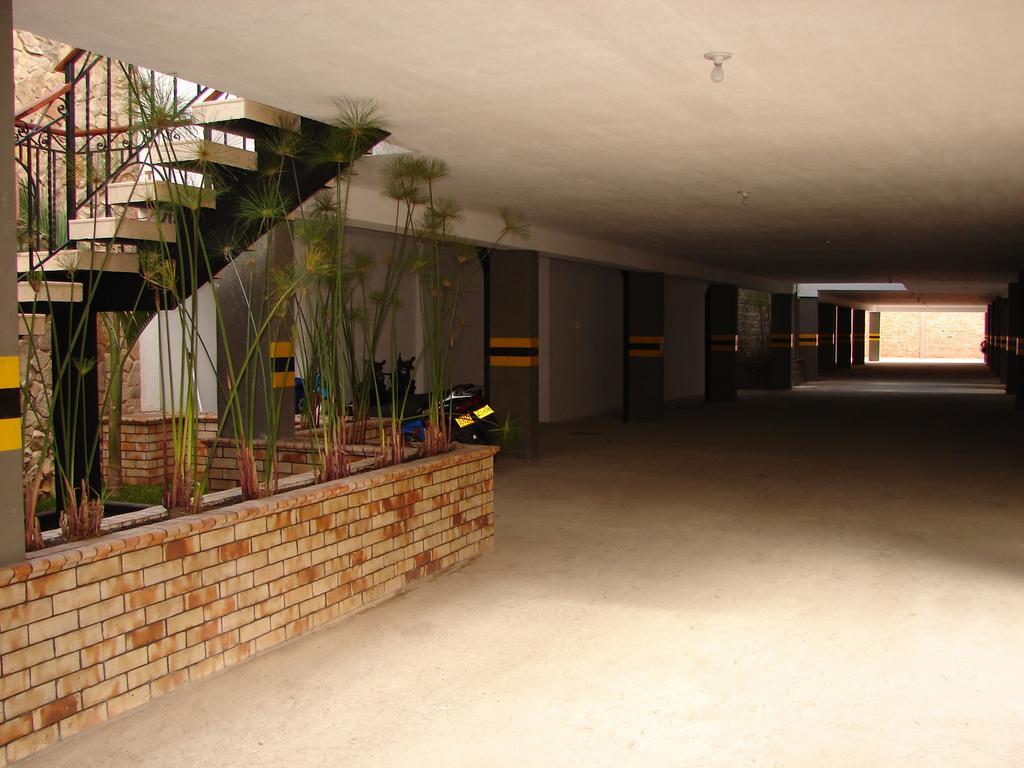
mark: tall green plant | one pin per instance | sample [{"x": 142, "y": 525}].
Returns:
[
  {"x": 123, "y": 330},
  {"x": 332, "y": 319}
]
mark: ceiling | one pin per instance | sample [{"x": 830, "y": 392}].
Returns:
[{"x": 876, "y": 140}]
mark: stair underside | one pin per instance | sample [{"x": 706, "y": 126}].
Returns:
[
  {"x": 159, "y": 191},
  {"x": 241, "y": 114}
]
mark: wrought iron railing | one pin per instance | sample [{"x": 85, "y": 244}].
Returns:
[{"x": 68, "y": 146}]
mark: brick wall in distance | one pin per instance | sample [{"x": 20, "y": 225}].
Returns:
[
  {"x": 936, "y": 335},
  {"x": 93, "y": 629}
]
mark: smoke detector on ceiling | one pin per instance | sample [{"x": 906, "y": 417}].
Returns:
[{"x": 717, "y": 73}]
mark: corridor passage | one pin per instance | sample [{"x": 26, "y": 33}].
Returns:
[{"x": 832, "y": 576}]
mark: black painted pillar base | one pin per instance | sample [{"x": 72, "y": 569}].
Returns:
[
  {"x": 826, "y": 338},
  {"x": 643, "y": 364},
  {"x": 780, "y": 344},
  {"x": 721, "y": 343},
  {"x": 858, "y": 336},
  {"x": 511, "y": 326}
]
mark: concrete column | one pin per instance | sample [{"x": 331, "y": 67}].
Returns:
[
  {"x": 874, "y": 336},
  {"x": 12, "y": 517},
  {"x": 844, "y": 337},
  {"x": 721, "y": 343},
  {"x": 858, "y": 336},
  {"x": 1002, "y": 331},
  {"x": 643, "y": 365},
  {"x": 1018, "y": 332},
  {"x": 244, "y": 302},
  {"x": 826, "y": 338},
  {"x": 807, "y": 335},
  {"x": 988, "y": 335},
  {"x": 1013, "y": 312},
  {"x": 512, "y": 328},
  {"x": 781, "y": 346}
]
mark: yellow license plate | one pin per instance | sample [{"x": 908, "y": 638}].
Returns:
[
  {"x": 483, "y": 411},
  {"x": 464, "y": 421}
]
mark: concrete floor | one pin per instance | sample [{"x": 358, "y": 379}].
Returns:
[{"x": 828, "y": 577}]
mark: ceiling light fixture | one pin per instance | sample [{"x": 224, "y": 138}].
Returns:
[{"x": 717, "y": 73}]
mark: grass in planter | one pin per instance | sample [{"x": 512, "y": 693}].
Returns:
[{"x": 150, "y": 495}]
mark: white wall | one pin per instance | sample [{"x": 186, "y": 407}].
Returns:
[
  {"x": 684, "y": 337},
  {"x": 580, "y": 339},
  {"x": 165, "y": 342}
]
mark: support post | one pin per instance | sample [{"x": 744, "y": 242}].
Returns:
[
  {"x": 807, "y": 335},
  {"x": 643, "y": 385},
  {"x": 12, "y": 518},
  {"x": 1013, "y": 313},
  {"x": 721, "y": 343},
  {"x": 781, "y": 342},
  {"x": 826, "y": 338},
  {"x": 512, "y": 328},
  {"x": 874, "y": 336},
  {"x": 858, "y": 336},
  {"x": 1002, "y": 331},
  {"x": 988, "y": 335},
  {"x": 244, "y": 299},
  {"x": 844, "y": 337}
]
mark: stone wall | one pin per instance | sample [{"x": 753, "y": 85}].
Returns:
[
  {"x": 936, "y": 335},
  {"x": 91, "y": 630},
  {"x": 754, "y": 326}
]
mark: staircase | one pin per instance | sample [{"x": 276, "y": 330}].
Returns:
[{"x": 127, "y": 186}]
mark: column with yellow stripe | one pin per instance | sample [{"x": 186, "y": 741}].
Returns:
[
  {"x": 512, "y": 341},
  {"x": 781, "y": 341},
  {"x": 874, "y": 336},
  {"x": 826, "y": 338},
  {"x": 1013, "y": 313},
  {"x": 807, "y": 336},
  {"x": 643, "y": 369},
  {"x": 859, "y": 336},
  {"x": 12, "y": 518},
  {"x": 722, "y": 343},
  {"x": 10, "y": 404}
]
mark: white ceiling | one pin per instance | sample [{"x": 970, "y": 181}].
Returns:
[{"x": 877, "y": 139}]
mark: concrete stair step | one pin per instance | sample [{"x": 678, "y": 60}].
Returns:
[
  {"x": 122, "y": 229},
  {"x": 197, "y": 152},
  {"x": 88, "y": 256},
  {"x": 49, "y": 292},
  {"x": 242, "y": 115},
  {"x": 31, "y": 324},
  {"x": 148, "y": 193}
]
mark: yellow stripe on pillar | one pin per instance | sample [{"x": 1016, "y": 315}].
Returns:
[
  {"x": 10, "y": 434},
  {"x": 10, "y": 372}
]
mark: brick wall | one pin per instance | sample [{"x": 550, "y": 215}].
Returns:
[
  {"x": 932, "y": 334},
  {"x": 92, "y": 629},
  {"x": 146, "y": 445}
]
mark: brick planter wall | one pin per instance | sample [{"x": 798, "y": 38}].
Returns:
[
  {"x": 92, "y": 629},
  {"x": 146, "y": 449},
  {"x": 294, "y": 457}
]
